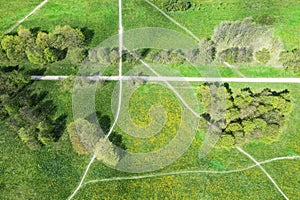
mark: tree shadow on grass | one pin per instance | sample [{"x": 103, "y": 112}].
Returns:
[{"x": 88, "y": 34}]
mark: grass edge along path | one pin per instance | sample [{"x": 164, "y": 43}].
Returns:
[
  {"x": 24, "y": 18},
  {"x": 191, "y": 171},
  {"x": 264, "y": 171}
]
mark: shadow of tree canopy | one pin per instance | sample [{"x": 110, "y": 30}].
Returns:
[
  {"x": 105, "y": 124},
  {"x": 88, "y": 34}
]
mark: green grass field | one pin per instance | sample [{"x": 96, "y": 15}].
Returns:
[
  {"x": 55, "y": 171},
  {"x": 101, "y": 17}
]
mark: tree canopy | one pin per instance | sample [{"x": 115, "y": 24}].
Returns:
[
  {"x": 62, "y": 42},
  {"x": 245, "y": 115}
]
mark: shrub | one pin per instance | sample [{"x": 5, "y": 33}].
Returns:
[
  {"x": 266, "y": 19},
  {"x": 36, "y": 56},
  {"x": 75, "y": 55},
  {"x": 204, "y": 54},
  {"x": 104, "y": 151},
  {"x": 235, "y": 55},
  {"x": 263, "y": 56},
  {"x": 177, "y": 5},
  {"x": 291, "y": 60}
]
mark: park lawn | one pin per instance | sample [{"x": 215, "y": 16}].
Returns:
[
  {"x": 209, "y": 14},
  {"x": 101, "y": 18},
  {"x": 54, "y": 172},
  {"x": 13, "y": 11},
  {"x": 252, "y": 182},
  {"x": 41, "y": 174}
]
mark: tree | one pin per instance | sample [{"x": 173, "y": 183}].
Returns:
[
  {"x": 236, "y": 41},
  {"x": 291, "y": 60},
  {"x": 226, "y": 141},
  {"x": 177, "y": 5},
  {"x": 43, "y": 40},
  {"x": 75, "y": 55},
  {"x": 31, "y": 114},
  {"x": 104, "y": 151},
  {"x": 66, "y": 37},
  {"x": 14, "y": 48},
  {"x": 51, "y": 55},
  {"x": 36, "y": 56},
  {"x": 263, "y": 56},
  {"x": 83, "y": 135}
]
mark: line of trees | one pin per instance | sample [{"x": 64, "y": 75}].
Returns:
[
  {"x": 42, "y": 48},
  {"x": 243, "y": 116},
  {"x": 234, "y": 42}
]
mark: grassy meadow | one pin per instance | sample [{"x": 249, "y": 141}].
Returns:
[{"x": 55, "y": 171}]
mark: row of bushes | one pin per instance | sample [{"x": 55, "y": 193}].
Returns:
[{"x": 233, "y": 42}]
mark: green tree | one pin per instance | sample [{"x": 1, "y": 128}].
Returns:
[
  {"x": 35, "y": 55},
  {"x": 236, "y": 41},
  {"x": 64, "y": 37},
  {"x": 43, "y": 40},
  {"x": 76, "y": 55},
  {"x": 248, "y": 115},
  {"x": 14, "y": 47},
  {"x": 263, "y": 56},
  {"x": 226, "y": 141},
  {"x": 104, "y": 151},
  {"x": 84, "y": 135},
  {"x": 291, "y": 60}
]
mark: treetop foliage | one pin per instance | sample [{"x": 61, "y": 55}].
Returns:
[
  {"x": 245, "y": 115},
  {"x": 247, "y": 36},
  {"x": 62, "y": 42},
  {"x": 291, "y": 60},
  {"x": 86, "y": 138},
  {"x": 177, "y": 5}
]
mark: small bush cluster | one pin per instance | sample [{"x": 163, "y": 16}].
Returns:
[
  {"x": 177, "y": 5},
  {"x": 263, "y": 56},
  {"x": 291, "y": 60}
]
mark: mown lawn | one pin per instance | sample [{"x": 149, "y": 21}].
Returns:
[
  {"x": 101, "y": 18},
  {"x": 54, "y": 172},
  {"x": 13, "y": 11}
]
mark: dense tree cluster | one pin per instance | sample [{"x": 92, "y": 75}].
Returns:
[
  {"x": 111, "y": 55},
  {"x": 27, "y": 111},
  {"x": 42, "y": 48},
  {"x": 234, "y": 42},
  {"x": 245, "y": 115},
  {"x": 30, "y": 113}
]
